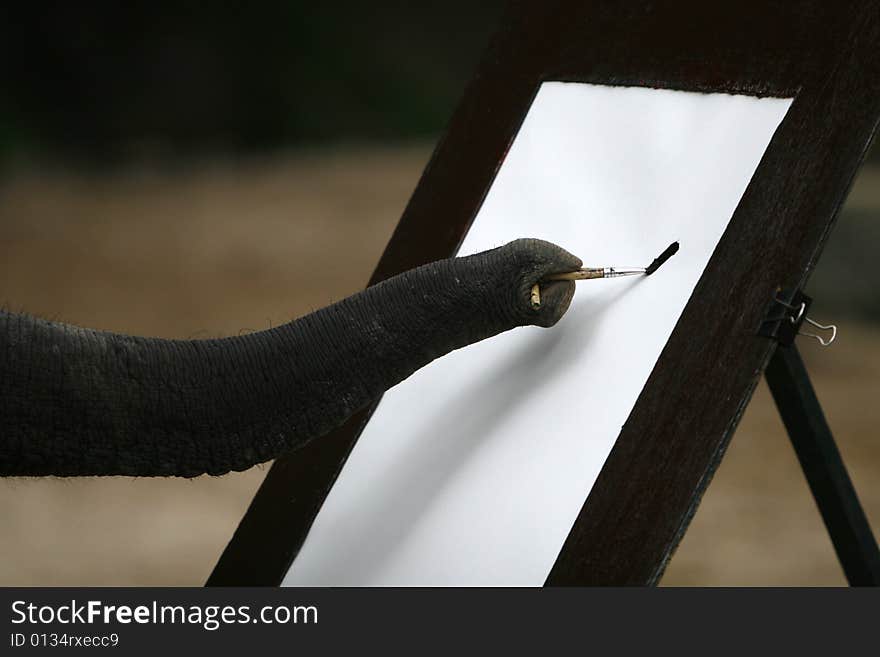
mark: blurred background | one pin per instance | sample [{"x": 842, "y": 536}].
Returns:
[{"x": 184, "y": 173}]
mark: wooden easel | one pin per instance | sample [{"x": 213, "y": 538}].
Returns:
[
  {"x": 821, "y": 53},
  {"x": 814, "y": 443}
]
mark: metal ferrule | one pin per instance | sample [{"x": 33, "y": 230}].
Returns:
[{"x": 614, "y": 272}]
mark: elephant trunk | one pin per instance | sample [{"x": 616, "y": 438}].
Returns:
[{"x": 75, "y": 401}]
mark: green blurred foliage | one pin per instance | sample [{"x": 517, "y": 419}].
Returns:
[{"x": 103, "y": 80}]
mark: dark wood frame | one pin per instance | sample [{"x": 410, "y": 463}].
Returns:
[{"x": 823, "y": 53}]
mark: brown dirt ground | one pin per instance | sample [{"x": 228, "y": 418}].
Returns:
[{"x": 229, "y": 246}]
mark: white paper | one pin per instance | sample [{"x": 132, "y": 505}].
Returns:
[{"x": 473, "y": 470}]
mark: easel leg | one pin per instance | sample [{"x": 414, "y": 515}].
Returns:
[{"x": 829, "y": 481}]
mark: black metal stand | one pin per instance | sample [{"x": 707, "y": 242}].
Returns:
[{"x": 819, "y": 457}]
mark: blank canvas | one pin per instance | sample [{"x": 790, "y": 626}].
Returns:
[{"x": 473, "y": 470}]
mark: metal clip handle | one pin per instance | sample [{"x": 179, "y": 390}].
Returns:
[
  {"x": 794, "y": 319},
  {"x": 829, "y": 327},
  {"x": 800, "y": 313}
]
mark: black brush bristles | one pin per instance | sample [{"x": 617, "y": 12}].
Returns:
[{"x": 663, "y": 257}]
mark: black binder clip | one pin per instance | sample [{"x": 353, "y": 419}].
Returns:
[{"x": 785, "y": 318}]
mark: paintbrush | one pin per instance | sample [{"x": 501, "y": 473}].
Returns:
[{"x": 586, "y": 273}]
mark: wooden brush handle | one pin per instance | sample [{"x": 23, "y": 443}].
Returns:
[{"x": 579, "y": 275}]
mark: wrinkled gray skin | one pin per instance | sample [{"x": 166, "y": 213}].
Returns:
[{"x": 75, "y": 401}]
